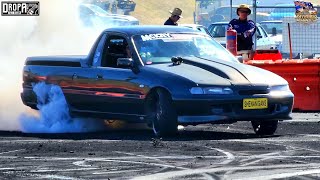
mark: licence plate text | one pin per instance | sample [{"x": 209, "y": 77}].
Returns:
[{"x": 255, "y": 103}]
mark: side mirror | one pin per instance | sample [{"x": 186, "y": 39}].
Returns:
[
  {"x": 124, "y": 62},
  {"x": 259, "y": 36}
]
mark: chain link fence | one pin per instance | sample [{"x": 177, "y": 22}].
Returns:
[{"x": 274, "y": 18}]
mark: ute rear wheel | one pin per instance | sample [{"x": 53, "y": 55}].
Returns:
[
  {"x": 265, "y": 127},
  {"x": 161, "y": 113}
]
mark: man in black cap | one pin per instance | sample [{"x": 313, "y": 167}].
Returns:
[{"x": 175, "y": 16}]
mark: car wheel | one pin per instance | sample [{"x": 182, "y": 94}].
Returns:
[
  {"x": 162, "y": 115},
  {"x": 264, "y": 127}
]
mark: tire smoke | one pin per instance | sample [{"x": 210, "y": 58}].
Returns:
[
  {"x": 54, "y": 114},
  {"x": 57, "y": 31}
]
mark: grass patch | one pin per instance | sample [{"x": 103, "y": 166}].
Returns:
[{"x": 157, "y": 11}]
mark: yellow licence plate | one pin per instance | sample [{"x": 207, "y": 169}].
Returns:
[{"x": 255, "y": 103}]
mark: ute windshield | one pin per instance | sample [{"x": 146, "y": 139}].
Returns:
[{"x": 160, "y": 48}]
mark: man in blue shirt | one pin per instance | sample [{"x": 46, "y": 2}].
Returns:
[{"x": 244, "y": 27}]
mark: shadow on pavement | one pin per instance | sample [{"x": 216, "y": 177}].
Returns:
[{"x": 140, "y": 135}]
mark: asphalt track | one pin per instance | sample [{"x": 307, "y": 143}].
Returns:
[{"x": 198, "y": 152}]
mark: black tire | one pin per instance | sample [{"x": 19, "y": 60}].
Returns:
[
  {"x": 161, "y": 113},
  {"x": 265, "y": 127}
]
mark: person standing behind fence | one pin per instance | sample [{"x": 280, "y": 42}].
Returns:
[
  {"x": 175, "y": 16},
  {"x": 245, "y": 28}
]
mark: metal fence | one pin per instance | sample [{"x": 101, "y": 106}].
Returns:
[{"x": 275, "y": 17}]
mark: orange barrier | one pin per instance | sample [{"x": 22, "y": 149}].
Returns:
[
  {"x": 303, "y": 77},
  {"x": 270, "y": 54}
]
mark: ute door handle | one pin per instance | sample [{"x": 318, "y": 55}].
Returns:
[
  {"x": 99, "y": 76},
  {"x": 74, "y": 76}
]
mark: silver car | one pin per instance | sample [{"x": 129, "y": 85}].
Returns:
[
  {"x": 218, "y": 32},
  {"x": 197, "y": 27}
]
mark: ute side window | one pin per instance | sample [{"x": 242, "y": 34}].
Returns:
[{"x": 116, "y": 47}]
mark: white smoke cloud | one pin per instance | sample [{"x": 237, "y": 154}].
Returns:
[{"x": 56, "y": 31}]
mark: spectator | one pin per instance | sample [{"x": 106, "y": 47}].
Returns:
[
  {"x": 175, "y": 16},
  {"x": 244, "y": 27}
]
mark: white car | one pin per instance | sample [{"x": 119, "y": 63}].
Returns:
[
  {"x": 218, "y": 32},
  {"x": 274, "y": 30},
  {"x": 197, "y": 27}
]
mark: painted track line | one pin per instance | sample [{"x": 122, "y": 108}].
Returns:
[
  {"x": 7, "y": 152},
  {"x": 230, "y": 156},
  {"x": 183, "y": 173},
  {"x": 287, "y": 175},
  {"x": 207, "y": 176}
]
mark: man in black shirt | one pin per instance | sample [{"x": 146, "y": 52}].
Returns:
[{"x": 175, "y": 16}]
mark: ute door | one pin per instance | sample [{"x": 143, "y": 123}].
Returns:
[
  {"x": 83, "y": 90},
  {"x": 119, "y": 90}
]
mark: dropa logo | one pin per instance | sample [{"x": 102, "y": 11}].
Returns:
[{"x": 20, "y": 8}]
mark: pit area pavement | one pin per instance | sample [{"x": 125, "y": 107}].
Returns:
[{"x": 197, "y": 152}]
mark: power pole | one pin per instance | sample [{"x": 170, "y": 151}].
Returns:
[
  {"x": 230, "y": 9},
  {"x": 254, "y": 5}
]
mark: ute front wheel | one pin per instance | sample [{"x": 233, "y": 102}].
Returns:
[{"x": 162, "y": 114}]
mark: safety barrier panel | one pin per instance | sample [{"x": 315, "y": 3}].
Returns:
[
  {"x": 270, "y": 54},
  {"x": 303, "y": 77}
]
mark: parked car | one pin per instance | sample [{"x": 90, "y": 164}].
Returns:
[
  {"x": 218, "y": 31},
  {"x": 197, "y": 27},
  {"x": 283, "y": 10},
  {"x": 95, "y": 16},
  {"x": 274, "y": 2},
  {"x": 104, "y": 4},
  {"x": 126, "y": 6},
  {"x": 223, "y": 14},
  {"x": 274, "y": 30},
  {"x": 184, "y": 78},
  {"x": 204, "y": 8}
]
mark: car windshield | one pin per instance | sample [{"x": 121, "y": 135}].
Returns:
[
  {"x": 218, "y": 30},
  {"x": 160, "y": 48},
  {"x": 268, "y": 26}
]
